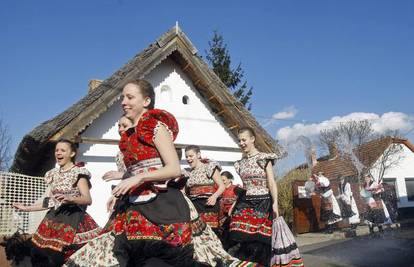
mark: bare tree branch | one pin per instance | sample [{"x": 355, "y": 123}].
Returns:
[
  {"x": 346, "y": 140},
  {"x": 5, "y": 141}
]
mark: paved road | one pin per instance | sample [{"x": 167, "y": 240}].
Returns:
[{"x": 393, "y": 248}]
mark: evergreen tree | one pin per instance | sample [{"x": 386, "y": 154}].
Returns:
[{"x": 219, "y": 59}]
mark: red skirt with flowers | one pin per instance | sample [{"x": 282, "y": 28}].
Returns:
[
  {"x": 251, "y": 228},
  {"x": 251, "y": 219},
  {"x": 165, "y": 218},
  {"x": 209, "y": 214},
  {"x": 157, "y": 229},
  {"x": 65, "y": 230}
]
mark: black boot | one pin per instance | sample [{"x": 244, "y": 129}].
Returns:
[
  {"x": 371, "y": 229},
  {"x": 329, "y": 229},
  {"x": 380, "y": 229}
]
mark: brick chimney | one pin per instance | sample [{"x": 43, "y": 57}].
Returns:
[
  {"x": 312, "y": 157},
  {"x": 333, "y": 150},
  {"x": 93, "y": 84}
]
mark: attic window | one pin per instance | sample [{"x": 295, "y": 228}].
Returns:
[
  {"x": 166, "y": 93},
  {"x": 186, "y": 100}
]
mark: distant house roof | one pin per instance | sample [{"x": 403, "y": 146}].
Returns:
[
  {"x": 175, "y": 45},
  {"x": 369, "y": 153}
]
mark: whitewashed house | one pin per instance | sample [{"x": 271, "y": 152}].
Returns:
[
  {"x": 207, "y": 113},
  {"x": 401, "y": 176}
]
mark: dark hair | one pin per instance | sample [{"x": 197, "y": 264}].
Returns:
[
  {"x": 194, "y": 148},
  {"x": 247, "y": 129},
  {"x": 72, "y": 145},
  {"x": 128, "y": 119},
  {"x": 146, "y": 89},
  {"x": 227, "y": 174}
]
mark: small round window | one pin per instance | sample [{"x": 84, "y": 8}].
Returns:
[{"x": 186, "y": 100}]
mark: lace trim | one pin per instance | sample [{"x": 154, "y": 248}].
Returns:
[{"x": 156, "y": 128}]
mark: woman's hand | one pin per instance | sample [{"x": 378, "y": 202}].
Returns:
[
  {"x": 123, "y": 187},
  {"x": 275, "y": 208},
  {"x": 21, "y": 206},
  {"x": 110, "y": 204},
  {"x": 64, "y": 198},
  {"x": 112, "y": 175},
  {"x": 211, "y": 201}
]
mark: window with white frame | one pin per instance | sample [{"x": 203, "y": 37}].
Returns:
[{"x": 409, "y": 184}]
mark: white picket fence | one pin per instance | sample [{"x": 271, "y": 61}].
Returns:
[{"x": 23, "y": 189}]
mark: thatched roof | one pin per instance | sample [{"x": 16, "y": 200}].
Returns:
[{"x": 175, "y": 45}]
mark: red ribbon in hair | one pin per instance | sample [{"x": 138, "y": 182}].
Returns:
[{"x": 80, "y": 164}]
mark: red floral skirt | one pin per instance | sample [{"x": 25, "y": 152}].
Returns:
[
  {"x": 251, "y": 219},
  {"x": 209, "y": 214},
  {"x": 164, "y": 219},
  {"x": 65, "y": 229}
]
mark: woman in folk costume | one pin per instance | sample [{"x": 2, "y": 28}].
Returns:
[
  {"x": 377, "y": 213},
  {"x": 255, "y": 209},
  {"x": 153, "y": 219},
  {"x": 348, "y": 205},
  {"x": 228, "y": 198},
  {"x": 98, "y": 252},
  {"x": 330, "y": 211},
  {"x": 204, "y": 185},
  {"x": 66, "y": 226},
  {"x": 124, "y": 123}
]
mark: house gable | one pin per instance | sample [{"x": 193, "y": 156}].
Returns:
[{"x": 173, "y": 45}]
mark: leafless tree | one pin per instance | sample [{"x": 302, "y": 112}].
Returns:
[
  {"x": 391, "y": 157},
  {"x": 5, "y": 140},
  {"x": 347, "y": 139},
  {"x": 352, "y": 132}
]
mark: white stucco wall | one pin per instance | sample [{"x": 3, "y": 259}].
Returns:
[
  {"x": 197, "y": 123},
  {"x": 405, "y": 169}
]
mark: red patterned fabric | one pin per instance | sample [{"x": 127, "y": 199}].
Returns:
[
  {"x": 251, "y": 221},
  {"x": 210, "y": 218},
  {"x": 57, "y": 235},
  {"x": 87, "y": 230},
  {"x": 141, "y": 155},
  {"x": 137, "y": 143},
  {"x": 202, "y": 190},
  {"x": 228, "y": 198},
  {"x": 137, "y": 227}
]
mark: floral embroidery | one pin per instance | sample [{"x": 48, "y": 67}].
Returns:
[
  {"x": 251, "y": 221},
  {"x": 137, "y": 227},
  {"x": 253, "y": 174},
  {"x": 64, "y": 182},
  {"x": 202, "y": 175},
  {"x": 137, "y": 143},
  {"x": 119, "y": 160}
]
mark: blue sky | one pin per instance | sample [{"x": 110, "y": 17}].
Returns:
[{"x": 314, "y": 60}]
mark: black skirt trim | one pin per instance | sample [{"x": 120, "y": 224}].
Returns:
[
  {"x": 285, "y": 250},
  {"x": 137, "y": 252}
]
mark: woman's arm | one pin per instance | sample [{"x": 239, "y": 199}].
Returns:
[
  {"x": 272, "y": 188},
  {"x": 34, "y": 207},
  {"x": 112, "y": 175},
  {"x": 39, "y": 205},
  {"x": 171, "y": 168},
  {"x": 219, "y": 182},
  {"x": 83, "y": 199}
]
